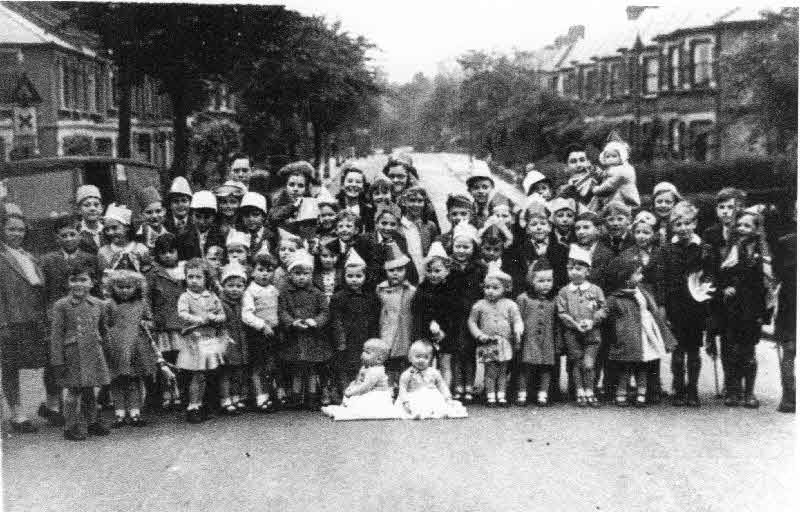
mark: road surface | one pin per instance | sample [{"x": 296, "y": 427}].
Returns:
[{"x": 559, "y": 458}]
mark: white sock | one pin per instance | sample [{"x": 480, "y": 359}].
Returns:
[
  {"x": 135, "y": 413},
  {"x": 501, "y": 395},
  {"x": 119, "y": 413},
  {"x": 580, "y": 393},
  {"x": 491, "y": 397},
  {"x": 522, "y": 396},
  {"x": 192, "y": 407},
  {"x": 542, "y": 396},
  {"x": 260, "y": 399},
  {"x": 235, "y": 399}
]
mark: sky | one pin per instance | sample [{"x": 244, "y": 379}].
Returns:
[{"x": 416, "y": 35}]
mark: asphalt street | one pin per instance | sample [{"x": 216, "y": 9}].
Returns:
[{"x": 559, "y": 458}]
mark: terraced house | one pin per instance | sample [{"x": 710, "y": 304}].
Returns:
[{"x": 657, "y": 79}]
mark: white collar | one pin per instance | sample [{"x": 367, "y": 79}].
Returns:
[
  {"x": 86, "y": 228},
  {"x": 582, "y": 287},
  {"x": 694, "y": 240}
]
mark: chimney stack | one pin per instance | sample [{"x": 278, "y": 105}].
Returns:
[{"x": 634, "y": 11}]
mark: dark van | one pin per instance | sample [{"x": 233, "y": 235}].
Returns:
[{"x": 45, "y": 187}]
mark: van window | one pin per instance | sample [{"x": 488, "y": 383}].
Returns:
[{"x": 41, "y": 194}]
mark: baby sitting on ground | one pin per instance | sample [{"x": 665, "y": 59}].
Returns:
[
  {"x": 423, "y": 392},
  {"x": 370, "y": 395}
]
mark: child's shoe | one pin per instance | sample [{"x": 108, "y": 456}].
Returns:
[
  {"x": 750, "y": 402},
  {"x": 491, "y": 400},
  {"x": 98, "y": 429},
  {"x": 54, "y": 418},
  {"x": 468, "y": 398},
  {"x": 194, "y": 416},
  {"x": 522, "y": 399},
  {"x": 137, "y": 421},
  {"x": 119, "y": 422},
  {"x": 501, "y": 401},
  {"x": 593, "y": 401},
  {"x": 580, "y": 401},
  {"x": 678, "y": 400},
  {"x": 74, "y": 434},
  {"x": 621, "y": 401},
  {"x": 731, "y": 400},
  {"x": 228, "y": 408},
  {"x": 23, "y": 427},
  {"x": 542, "y": 400},
  {"x": 692, "y": 399},
  {"x": 641, "y": 400}
]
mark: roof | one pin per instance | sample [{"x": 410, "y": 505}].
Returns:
[
  {"x": 34, "y": 23},
  {"x": 653, "y": 23},
  {"x": 548, "y": 58}
]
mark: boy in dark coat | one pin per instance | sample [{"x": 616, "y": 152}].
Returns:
[
  {"x": 617, "y": 217},
  {"x": 193, "y": 243},
  {"x": 685, "y": 254}
]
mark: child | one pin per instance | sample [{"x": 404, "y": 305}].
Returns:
[
  {"x": 460, "y": 208},
  {"x": 640, "y": 334},
  {"x": 418, "y": 234},
  {"x": 466, "y": 280},
  {"x": 385, "y": 238},
  {"x": 537, "y": 183},
  {"x": 228, "y": 197},
  {"x": 233, "y": 280},
  {"x": 237, "y": 246},
  {"x": 303, "y": 314},
  {"x": 538, "y": 347},
  {"x": 326, "y": 276},
  {"x": 55, "y": 268},
  {"x": 215, "y": 257},
  {"x": 395, "y": 295},
  {"x": 741, "y": 280},
  {"x": 165, "y": 284},
  {"x": 617, "y": 217},
  {"x": 536, "y": 243},
  {"x": 380, "y": 192},
  {"x": 665, "y": 197},
  {"x": 369, "y": 395},
  {"x": 647, "y": 252},
  {"x": 328, "y": 208},
  {"x": 684, "y": 255},
  {"x": 786, "y": 317},
  {"x": 253, "y": 212},
  {"x": 495, "y": 248},
  {"x": 260, "y": 316},
  {"x": 619, "y": 180},
  {"x": 154, "y": 214},
  {"x": 288, "y": 245},
  {"x": 90, "y": 206},
  {"x": 204, "y": 340},
  {"x": 434, "y": 309},
  {"x": 76, "y": 353},
  {"x": 423, "y": 392},
  {"x": 720, "y": 238},
  {"x": 179, "y": 198},
  {"x": 120, "y": 252},
  {"x": 206, "y": 233},
  {"x": 130, "y": 356},
  {"x": 496, "y": 324},
  {"x": 480, "y": 186},
  {"x": 562, "y": 217},
  {"x": 581, "y": 309},
  {"x": 355, "y": 310},
  {"x": 587, "y": 234}
]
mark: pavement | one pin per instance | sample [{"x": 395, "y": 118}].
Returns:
[{"x": 559, "y": 458}]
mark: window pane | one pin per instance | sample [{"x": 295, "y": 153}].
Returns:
[
  {"x": 651, "y": 80},
  {"x": 702, "y": 63},
  {"x": 675, "y": 67}
]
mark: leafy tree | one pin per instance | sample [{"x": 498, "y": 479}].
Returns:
[
  {"x": 762, "y": 73},
  {"x": 214, "y": 140}
]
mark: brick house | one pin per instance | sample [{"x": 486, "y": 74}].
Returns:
[
  {"x": 58, "y": 94},
  {"x": 656, "y": 78}
]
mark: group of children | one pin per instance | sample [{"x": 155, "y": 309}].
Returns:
[{"x": 307, "y": 303}]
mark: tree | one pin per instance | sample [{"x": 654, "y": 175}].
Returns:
[
  {"x": 214, "y": 140},
  {"x": 762, "y": 73}
]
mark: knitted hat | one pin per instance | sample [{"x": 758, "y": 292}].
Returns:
[
  {"x": 254, "y": 200},
  {"x": 459, "y": 200},
  {"x": 119, "y": 213},
  {"x": 666, "y": 186},
  {"x": 577, "y": 253},
  {"x": 203, "y": 200},
  {"x": 436, "y": 251},
  {"x": 180, "y": 186},
  {"x": 354, "y": 260},
  {"x": 301, "y": 258},
  {"x": 232, "y": 269},
  {"x": 465, "y": 230},
  {"x": 394, "y": 257},
  {"x": 646, "y": 217},
  {"x": 532, "y": 178},
  {"x": 85, "y": 192},
  {"x": 237, "y": 238}
]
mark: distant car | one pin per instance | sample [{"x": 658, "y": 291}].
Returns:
[{"x": 45, "y": 187}]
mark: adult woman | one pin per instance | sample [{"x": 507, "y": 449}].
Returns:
[
  {"x": 296, "y": 178},
  {"x": 402, "y": 173},
  {"x": 352, "y": 196},
  {"x": 23, "y": 318}
]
